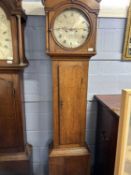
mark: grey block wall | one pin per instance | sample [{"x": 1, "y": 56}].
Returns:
[{"x": 107, "y": 75}]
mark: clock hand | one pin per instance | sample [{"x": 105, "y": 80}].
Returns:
[
  {"x": 64, "y": 28},
  {"x": 78, "y": 29},
  {"x": 59, "y": 28}
]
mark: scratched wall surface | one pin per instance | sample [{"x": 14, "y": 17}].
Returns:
[{"x": 107, "y": 75}]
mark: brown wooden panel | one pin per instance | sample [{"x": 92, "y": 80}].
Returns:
[
  {"x": 72, "y": 101},
  {"x": 8, "y": 126},
  {"x": 91, "y": 3},
  {"x": 16, "y": 163},
  {"x": 69, "y": 162}
]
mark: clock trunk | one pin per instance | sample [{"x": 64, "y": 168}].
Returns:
[{"x": 70, "y": 89}]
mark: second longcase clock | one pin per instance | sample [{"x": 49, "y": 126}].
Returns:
[{"x": 15, "y": 153}]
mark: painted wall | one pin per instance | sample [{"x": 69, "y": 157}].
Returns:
[{"x": 107, "y": 75}]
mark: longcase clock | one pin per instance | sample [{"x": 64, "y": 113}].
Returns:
[
  {"x": 15, "y": 154},
  {"x": 70, "y": 41}
]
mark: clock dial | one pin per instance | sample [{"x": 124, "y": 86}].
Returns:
[
  {"x": 6, "y": 49},
  {"x": 71, "y": 28}
]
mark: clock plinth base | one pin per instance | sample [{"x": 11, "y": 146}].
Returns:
[
  {"x": 69, "y": 161},
  {"x": 16, "y": 163}
]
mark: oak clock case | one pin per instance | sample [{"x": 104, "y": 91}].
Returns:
[
  {"x": 15, "y": 153},
  {"x": 71, "y": 42}
]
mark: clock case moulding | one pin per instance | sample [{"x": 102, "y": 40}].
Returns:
[
  {"x": 69, "y": 154},
  {"x": 15, "y": 153}
]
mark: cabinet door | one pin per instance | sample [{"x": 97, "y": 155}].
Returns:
[
  {"x": 8, "y": 125},
  {"x": 72, "y": 90},
  {"x": 106, "y": 139}
]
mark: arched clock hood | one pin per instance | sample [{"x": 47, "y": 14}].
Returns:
[{"x": 15, "y": 14}]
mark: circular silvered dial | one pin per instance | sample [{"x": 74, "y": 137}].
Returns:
[
  {"x": 6, "y": 50},
  {"x": 71, "y": 28}
]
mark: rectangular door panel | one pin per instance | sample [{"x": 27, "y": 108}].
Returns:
[
  {"x": 72, "y": 101},
  {"x": 8, "y": 125}
]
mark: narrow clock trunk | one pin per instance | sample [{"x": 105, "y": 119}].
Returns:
[
  {"x": 69, "y": 154},
  {"x": 70, "y": 96}
]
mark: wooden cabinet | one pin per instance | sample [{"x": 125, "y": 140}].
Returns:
[{"x": 106, "y": 133}]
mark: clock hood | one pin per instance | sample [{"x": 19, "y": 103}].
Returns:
[
  {"x": 15, "y": 23},
  {"x": 54, "y": 45}
]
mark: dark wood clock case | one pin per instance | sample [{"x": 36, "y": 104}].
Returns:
[
  {"x": 15, "y": 154},
  {"x": 69, "y": 153}
]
